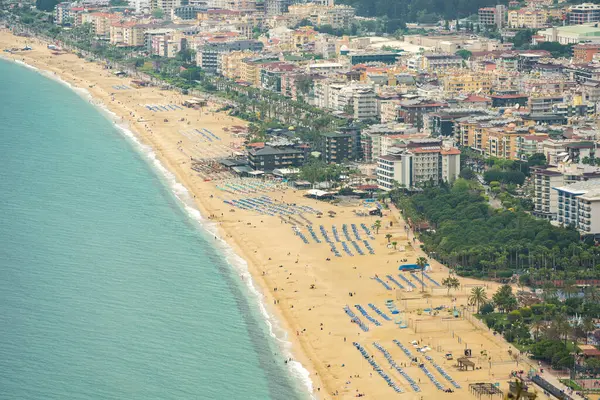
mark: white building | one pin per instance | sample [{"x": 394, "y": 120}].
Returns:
[
  {"x": 417, "y": 164},
  {"x": 584, "y": 13},
  {"x": 359, "y": 100},
  {"x": 579, "y": 206}
]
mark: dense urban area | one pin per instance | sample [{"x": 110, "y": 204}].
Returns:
[{"x": 477, "y": 119}]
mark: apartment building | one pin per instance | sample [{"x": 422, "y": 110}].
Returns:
[
  {"x": 526, "y": 18},
  {"x": 339, "y": 147},
  {"x": 441, "y": 62},
  {"x": 373, "y": 138},
  {"x": 546, "y": 178},
  {"x": 269, "y": 158},
  {"x": 493, "y": 16},
  {"x": 456, "y": 83},
  {"x": 338, "y": 16},
  {"x": 165, "y": 5},
  {"x": 100, "y": 21},
  {"x": 584, "y": 13},
  {"x": 207, "y": 55},
  {"x": 584, "y": 52},
  {"x": 229, "y": 64},
  {"x": 414, "y": 111},
  {"x": 127, "y": 33},
  {"x": 276, "y": 7},
  {"x": 420, "y": 162},
  {"x": 579, "y": 206}
]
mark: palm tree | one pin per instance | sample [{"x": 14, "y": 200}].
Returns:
[
  {"x": 377, "y": 226},
  {"x": 588, "y": 326},
  {"x": 388, "y": 237},
  {"x": 478, "y": 296},
  {"x": 451, "y": 283},
  {"x": 394, "y": 244},
  {"x": 421, "y": 263},
  {"x": 537, "y": 325}
]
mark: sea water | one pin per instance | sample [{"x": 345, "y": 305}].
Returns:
[{"x": 111, "y": 287}]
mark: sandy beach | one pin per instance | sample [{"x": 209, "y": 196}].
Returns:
[{"x": 305, "y": 285}]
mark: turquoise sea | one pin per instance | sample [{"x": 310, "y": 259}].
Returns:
[{"x": 110, "y": 288}]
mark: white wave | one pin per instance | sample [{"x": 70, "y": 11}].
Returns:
[{"x": 276, "y": 331}]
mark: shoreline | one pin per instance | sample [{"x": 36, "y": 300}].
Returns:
[
  {"x": 262, "y": 243},
  {"x": 197, "y": 211}
]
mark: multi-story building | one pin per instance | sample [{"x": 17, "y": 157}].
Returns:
[
  {"x": 526, "y": 18},
  {"x": 456, "y": 83},
  {"x": 207, "y": 55},
  {"x": 269, "y": 158},
  {"x": 413, "y": 111},
  {"x": 546, "y": 178},
  {"x": 339, "y": 147},
  {"x": 493, "y": 16},
  {"x": 441, "y": 62},
  {"x": 276, "y": 7},
  {"x": 127, "y": 33},
  {"x": 229, "y": 64},
  {"x": 62, "y": 13},
  {"x": 186, "y": 12},
  {"x": 419, "y": 162},
  {"x": 165, "y": 5},
  {"x": 579, "y": 206},
  {"x": 100, "y": 21},
  {"x": 584, "y": 13},
  {"x": 372, "y": 139},
  {"x": 338, "y": 16},
  {"x": 584, "y": 52}
]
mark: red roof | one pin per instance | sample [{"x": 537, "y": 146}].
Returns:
[
  {"x": 452, "y": 151},
  {"x": 367, "y": 187},
  {"x": 476, "y": 99},
  {"x": 257, "y": 145}
]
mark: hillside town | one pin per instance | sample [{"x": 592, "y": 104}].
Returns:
[
  {"x": 410, "y": 102},
  {"x": 474, "y": 139}
]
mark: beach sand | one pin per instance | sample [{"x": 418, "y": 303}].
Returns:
[{"x": 304, "y": 290}]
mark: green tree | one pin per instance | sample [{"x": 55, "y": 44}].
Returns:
[
  {"x": 158, "y": 13},
  {"x": 450, "y": 283},
  {"x": 478, "y": 297},
  {"x": 377, "y": 226},
  {"x": 465, "y": 54},
  {"x": 388, "y": 236},
  {"x": 504, "y": 299}
]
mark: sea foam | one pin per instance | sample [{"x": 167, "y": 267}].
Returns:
[{"x": 276, "y": 331}]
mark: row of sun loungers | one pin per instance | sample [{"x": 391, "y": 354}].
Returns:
[
  {"x": 366, "y": 315},
  {"x": 367, "y": 231},
  {"x": 369, "y": 248},
  {"x": 347, "y": 249},
  {"x": 158, "y": 107},
  {"x": 415, "y": 277},
  {"x": 394, "y": 281},
  {"x": 334, "y": 250},
  {"x": 358, "y": 249},
  {"x": 336, "y": 236},
  {"x": 355, "y": 231},
  {"x": 431, "y": 279},
  {"x": 211, "y": 134},
  {"x": 442, "y": 372},
  {"x": 379, "y": 312},
  {"x": 391, "y": 361},
  {"x": 121, "y": 87},
  {"x": 265, "y": 205},
  {"x": 377, "y": 368},
  {"x": 385, "y": 285},
  {"x": 412, "y": 285},
  {"x": 345, "y": 230},
  {"x": 355, "y": 319},
  {"x": 313, "y": 234},
  {"x": 300, "y": 234},
  {"x": 422, "y": 366}
]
